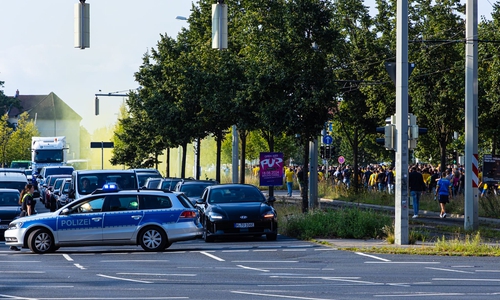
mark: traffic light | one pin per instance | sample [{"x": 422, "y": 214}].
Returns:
[
  {"x": 96, "y": 104},
  {"x": 389, "y": 131},
  {"x": 322, "y": 152},
  {"x": 328, "y": 152}
]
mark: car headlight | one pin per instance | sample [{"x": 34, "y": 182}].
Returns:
[
  {"x": 15, "y": 225},
  {"x": 215, "y": 216},
  {"x": 269, "y": 215}
]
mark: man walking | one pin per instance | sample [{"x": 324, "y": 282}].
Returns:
[{"x": 417, "y": 186}]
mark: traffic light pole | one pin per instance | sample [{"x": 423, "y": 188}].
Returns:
[
  {"x": 401, "y": 189},
  {"x": 471, "y": 219}
]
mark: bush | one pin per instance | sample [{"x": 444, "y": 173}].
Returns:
[{"x": 336, "y": 223}]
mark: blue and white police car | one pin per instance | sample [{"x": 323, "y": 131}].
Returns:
[{"x": 149, "y": 218}]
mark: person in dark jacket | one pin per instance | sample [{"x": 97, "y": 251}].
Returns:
[{"x": 417, "y": 186}]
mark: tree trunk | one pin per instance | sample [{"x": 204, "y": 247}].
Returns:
[
  {"x": 243, "y": 139},
  {"x": 183, "y": 166},
  {"x": 218, "y": 139},
  {"x": 355, "y": 169},
  {"x": 167, "y": 154}
]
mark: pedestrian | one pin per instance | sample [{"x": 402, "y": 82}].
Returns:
[
  {"x": 346, "y": 175},
  {"x": 381, "y": 183},
  {"x": 417, "y": 186},
  {"x": 289, "y": 174},
  {"x": 27, "y": 205},
  {"x": 443, "y": 190},
  {"x": 389, "y": 178}
]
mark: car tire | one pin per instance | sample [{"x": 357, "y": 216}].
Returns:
[
  {"x": 41, "y": 241},
  {"x": 208, "y": 238},
  {"x": 153, "y": 239},
  {"x": 272, "y": 236}
]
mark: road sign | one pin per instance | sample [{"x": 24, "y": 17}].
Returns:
[
  {"x": 327, "y": 140},
  {"x": 101, "y": 145},
  {"x": 341, "y": 160}
]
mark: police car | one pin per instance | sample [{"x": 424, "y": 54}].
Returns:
[{"x": 149, "y": 218}]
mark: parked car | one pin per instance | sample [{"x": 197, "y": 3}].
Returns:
[
  {"x": 144, "y": 174},
  {"x": 13, "y": 179},
  {"x": 61, "y": 195},
  {"x": 193, "y": 189},
  {"x": 168, "y": 184},
  {"x": 237, "y": 210},
  {"x": 84, "y": 182},
  {"x": 9, "y": 208},
  {"x": 151, "y": 219},
  {"x": 48, "y": 187},
  {"x": 152, "y": 183}
]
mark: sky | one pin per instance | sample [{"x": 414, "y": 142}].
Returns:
[{"x": 37, "y": 55}]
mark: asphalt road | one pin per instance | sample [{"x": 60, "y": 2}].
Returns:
[{"x": 243, "y": 269}]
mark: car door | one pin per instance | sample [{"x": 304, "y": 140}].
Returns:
[
  {"x": 83, "y": 223},
  {"x": 121, "y": 217}
]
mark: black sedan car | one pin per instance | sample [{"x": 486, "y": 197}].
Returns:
[
  {"x": 236, "y": 210},
  {"x": 9, "y": 208}
]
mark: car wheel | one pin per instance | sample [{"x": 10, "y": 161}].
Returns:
[
  {"x": 208, "y": 238},
  {"x": 152, "y": 239},
  {"x": 41, "y": 241},
  {"x": 272, "y": 236}
]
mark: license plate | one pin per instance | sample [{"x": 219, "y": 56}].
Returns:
[
  {"x": 4, "y": 226},
  {"x": 243, "y": 225}
]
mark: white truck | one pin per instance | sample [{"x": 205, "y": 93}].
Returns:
[{"x": 47, "y": 151}]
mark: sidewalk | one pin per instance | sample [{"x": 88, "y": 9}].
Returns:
[{"x": 426, "y": 218}]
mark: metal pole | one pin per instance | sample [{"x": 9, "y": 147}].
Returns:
[
  {"x": 102, "y": 155},
  {"x": 401, "y": 193},
  {"x": 235, "y": 155},
  {"x": 313, "y": 174},
  {"x": 471, "y": 120}
]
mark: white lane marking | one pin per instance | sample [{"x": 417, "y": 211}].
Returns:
[
  {"x": 23, "y": 272},
  {"x": 156, "y": 274},
  {"x": 211, "y": 256},
  {"x": 80, "y": 267},
  {"x": 68, "y": 258},
  {"x": 264, "y": 261},
  {"x": 326, "y": 249},
  {"x": 467, "y": 279},
  {"x": 279, "y": 296},
  {"x": 294, "y": 250},
  {"x": 422, "y": 295},
  {"x": 449, "y": 270},
  {"x": 266, "y": 250},
  {"x": 230, "y": 251},
  {"x": 404, "y": 262},
  {"x": 372, "y": 256},
  {"x": 255, "y": 269},
  {"x": 125, "y": 279},
  {"x": 134, "y": 260},
  {"x": 16, "y": 297},
  {"x": 488, "y": 271}
]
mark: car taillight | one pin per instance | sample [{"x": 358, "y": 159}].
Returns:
[{"x": 188, "y": 214}]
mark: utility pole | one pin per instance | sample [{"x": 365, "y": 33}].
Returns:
[
  {"x": 401, "y": 190},
  {"x": 471, "y": 220}
]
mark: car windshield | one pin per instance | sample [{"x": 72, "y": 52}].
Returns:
[
  {"x": 89, "y": 182},
  {"x": 193, "y": 190},
  {"x": 9, "y": 199},
  {"x": 169, "y": 184},
  {"x": 235, "y": 195}
]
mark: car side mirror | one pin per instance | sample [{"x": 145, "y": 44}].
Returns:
[{"x": 65, "y": 211}]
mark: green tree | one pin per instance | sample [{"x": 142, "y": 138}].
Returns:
[
  {"x": 5, "y": 137},
  {"x": 437, "y": 84},
  {"x": 19, "y": 146}
]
